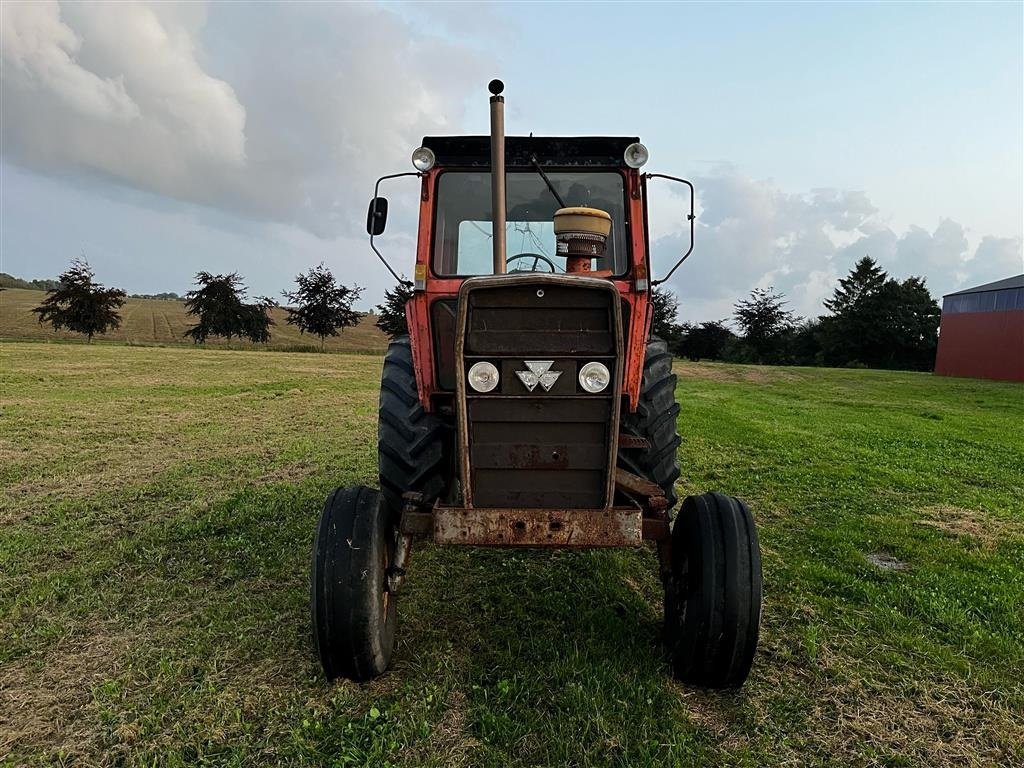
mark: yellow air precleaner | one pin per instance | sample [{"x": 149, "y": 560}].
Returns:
[{"x": 581, "y": 235}]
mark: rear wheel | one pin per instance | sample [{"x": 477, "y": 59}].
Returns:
[
  {"x": 713, "y": 595},
  {"x": 655, "y": 421},
  {"x": 411, "y": 443},
  {"x": 353, "y": 612}
]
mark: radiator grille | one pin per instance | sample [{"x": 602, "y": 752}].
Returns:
[{"x": 541, "y": 448}]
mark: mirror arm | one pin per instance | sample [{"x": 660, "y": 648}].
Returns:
[
  {"x": 690, "y": 217},
  {"x": 376, "y": 194}
]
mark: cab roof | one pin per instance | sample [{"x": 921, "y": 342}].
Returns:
[{"x": 552, "y": 151}]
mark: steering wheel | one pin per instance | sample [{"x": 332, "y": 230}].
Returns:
[{"x": 537, "y": 258}]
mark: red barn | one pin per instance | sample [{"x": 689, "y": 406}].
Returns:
[{"x": 982, "y": 332}]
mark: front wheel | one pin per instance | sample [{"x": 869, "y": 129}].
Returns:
[
  {"x": 353, "y": 612},
  {"x": 713, "y": 593}
]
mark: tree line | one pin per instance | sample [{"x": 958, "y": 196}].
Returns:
[{"x": 873, "y": 321}]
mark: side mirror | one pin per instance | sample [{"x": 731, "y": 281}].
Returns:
[
  {"x": 377, "y": 216},
  {"x": 689, "y": 218}
]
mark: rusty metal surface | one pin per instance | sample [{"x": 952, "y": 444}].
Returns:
[
  {"x": 616, "y": 527},
  {"x": 633, "y": 441},
  {"x": 639, "y": 486}
]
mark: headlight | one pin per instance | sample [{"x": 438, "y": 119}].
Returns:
[
  {"x": 594, "y": 377},
  {"x": 636, "y": 155},
  {"x": 423, "y": 159},
  {"x": 483, "y": 377}
]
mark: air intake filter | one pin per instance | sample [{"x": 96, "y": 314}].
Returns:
[{"x": 581, "y": 235}]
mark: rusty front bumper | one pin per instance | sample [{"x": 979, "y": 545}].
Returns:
[
  {"x": 584, "y": 528},
  {"x": 623, "y": 526}
]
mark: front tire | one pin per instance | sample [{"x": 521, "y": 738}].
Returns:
[
  {"x": 713, "y": 595},
  {"x": 353, "y": 613}
]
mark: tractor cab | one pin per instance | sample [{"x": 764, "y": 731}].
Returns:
[
  {"x": 529, "y": 406},
  {"x": 572, "y": 206}
]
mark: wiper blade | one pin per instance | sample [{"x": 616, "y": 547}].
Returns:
[{"x": 551, "y": 188}]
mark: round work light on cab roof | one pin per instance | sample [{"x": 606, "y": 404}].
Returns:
[
  {"x": 636, "y": 155},
  {"x": 423, "y": 159}
]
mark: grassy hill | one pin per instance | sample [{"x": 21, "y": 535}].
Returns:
[
  {"x": 162, "y": 321},
  {"x": 157, "y": 508}
]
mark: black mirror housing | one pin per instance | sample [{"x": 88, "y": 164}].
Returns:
[{"x": 377, "y": 216}]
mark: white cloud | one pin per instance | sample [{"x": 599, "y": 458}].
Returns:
[
  {"x": 115, "y": 89},
  {"x": 312, "y": 102},
  {"x": 38, "y": 54},
  {"x": 752, "y": 234}
]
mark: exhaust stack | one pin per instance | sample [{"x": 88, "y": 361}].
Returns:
[{"x": 498, "y": 174}]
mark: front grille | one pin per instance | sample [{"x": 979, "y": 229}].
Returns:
[{"x": 542, "y": 448}]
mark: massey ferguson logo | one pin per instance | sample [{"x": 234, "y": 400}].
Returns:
[{"x": 538, "y": 373}]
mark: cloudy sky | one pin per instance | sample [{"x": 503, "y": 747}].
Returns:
[{"x": 160, "y": 139}]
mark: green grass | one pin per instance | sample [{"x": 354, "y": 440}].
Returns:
[
  {"x": 163, "y": 322},
  {"x": 157, "y": 508}
]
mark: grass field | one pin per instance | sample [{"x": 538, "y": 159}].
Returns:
[
  {"x": 158, "y": 507},
  {"x": 164, "y": 322}
]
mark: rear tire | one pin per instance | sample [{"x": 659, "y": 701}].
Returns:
[
  {"x": 353, "y": 613},
  {"x": 713, "y": 596},
  {"x": 411, "y": 443},
  {"x": 655, "y": 421}
]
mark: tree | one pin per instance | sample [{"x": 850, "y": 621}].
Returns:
[
  {"x": 322, "y": 305},
  {"x": 764, "y": 320},
  {"x": 879, "y": 321},
  {"x": 664, "y": 308},
  {"x": 80, "y": 304},
  {"x": 864, "y": 281},
  {"x": 391, "y": 314},
  {"x": 802, "y": 345},
  {"x": 705, "y": 341},
  {"x": 219, "y": 304},
  {"x": 910, "y": 324},
  {"x": 852, "y": 333}
]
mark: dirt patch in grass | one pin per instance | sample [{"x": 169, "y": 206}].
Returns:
[
  {"x": 980, "y": 527},
  {"x": 860, "y": 720},
  {"x": 755, "y": 374},
  {"x": 290, "y": 473},
  {"x": 886, "y": 562},
  {"x": 451, "y": 736},
  {"x": 943, "y": 724},
  {"x": 46, "y": 701}
]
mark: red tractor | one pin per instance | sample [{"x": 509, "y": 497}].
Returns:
[{"x": 529, "y": 406}]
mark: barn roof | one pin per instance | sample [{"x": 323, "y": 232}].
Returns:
[{"x": 999, "y": 285}]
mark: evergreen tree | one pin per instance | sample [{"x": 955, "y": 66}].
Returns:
[
  {"x": 852, "y": 334},
  {"x": 322, "y": 305},
  {"x": 879, "y": 321},
  {"x": 80, "y": 304},
  {"x": 864, "y": 281},
  {"x": 391, "y": 314},
  {"x": 219, "y": 304}
]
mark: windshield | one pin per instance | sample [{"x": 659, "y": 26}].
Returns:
[{"x": 462, "y": 230}]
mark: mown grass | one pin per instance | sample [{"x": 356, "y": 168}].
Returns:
[
  {"x": 155, "y": 522},
  {"x": 163, "y": 322}
]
